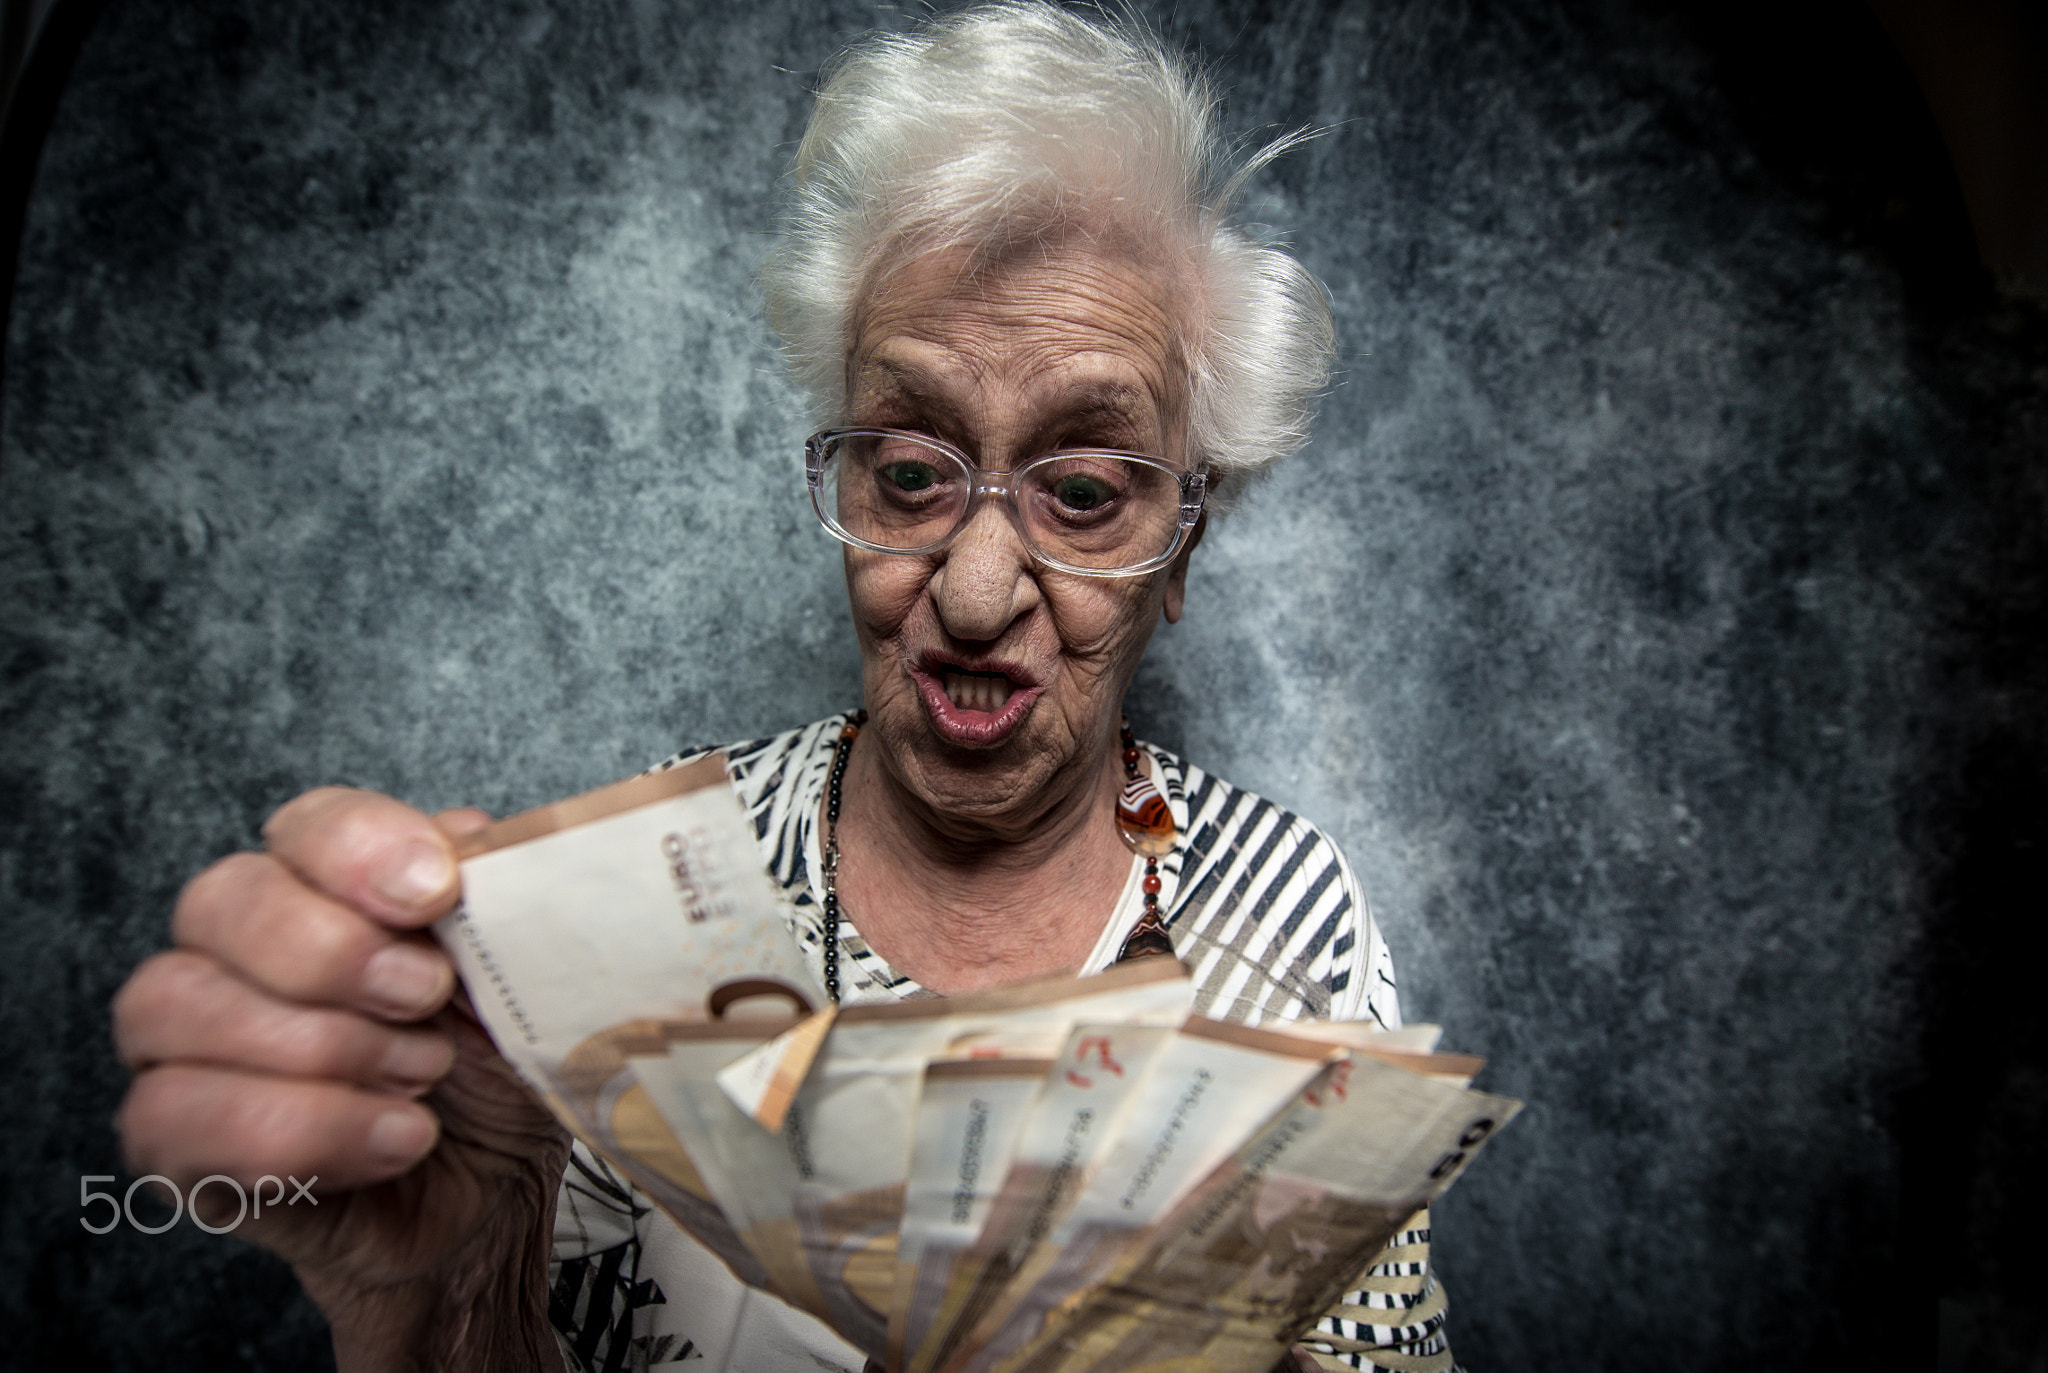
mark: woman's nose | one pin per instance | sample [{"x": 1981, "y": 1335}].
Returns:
[{"x": 985, "y": 581}]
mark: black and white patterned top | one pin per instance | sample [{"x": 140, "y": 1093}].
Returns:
[{"x": 1259, "y": 903}]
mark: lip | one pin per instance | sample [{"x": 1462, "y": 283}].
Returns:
[{"x": 972, "y": 728}]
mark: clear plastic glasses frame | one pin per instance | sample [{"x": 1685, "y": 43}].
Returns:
[{"x": 822, "y": 451}]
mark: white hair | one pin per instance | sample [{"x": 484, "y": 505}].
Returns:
[{"x": 1014, "y": 124}]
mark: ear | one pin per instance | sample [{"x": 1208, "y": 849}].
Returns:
[{"x": 1177, "y": 576}]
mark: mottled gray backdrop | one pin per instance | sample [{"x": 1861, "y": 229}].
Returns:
[{"x": 1657, "y": 617}]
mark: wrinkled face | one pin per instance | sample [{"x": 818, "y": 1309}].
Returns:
[{"x": 995, "y": 683}]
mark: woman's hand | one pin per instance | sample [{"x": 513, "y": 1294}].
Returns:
[{"x": 305, "y": 1026}]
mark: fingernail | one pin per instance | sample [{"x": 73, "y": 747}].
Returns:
[
  {"x": 415, "y": 875},
  {"x": 404, "y": 979},
  {"x": 401, "y": 1136},
  {"x": 416, "y": 1060}
]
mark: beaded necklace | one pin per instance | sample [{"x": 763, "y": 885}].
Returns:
[{"x": 1143, "y": 821}]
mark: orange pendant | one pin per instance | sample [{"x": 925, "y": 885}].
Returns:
[{"x": 1143, "y": 819}]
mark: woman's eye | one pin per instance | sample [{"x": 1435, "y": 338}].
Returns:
[
  {"x": 909, "y": 476},
  {"x": 1081, "y": 493}
]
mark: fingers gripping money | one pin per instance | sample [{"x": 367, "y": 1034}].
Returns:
[
  {"x": 961, "y": 1031},
  {"x": 987, "y": 1182}
]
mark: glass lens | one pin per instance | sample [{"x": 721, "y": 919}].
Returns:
[
  {"x": 1099, "y": 511},
  {"x": 891, "y": 490}
]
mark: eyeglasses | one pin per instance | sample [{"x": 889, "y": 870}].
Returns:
[{"x": 1096, "y": 514}]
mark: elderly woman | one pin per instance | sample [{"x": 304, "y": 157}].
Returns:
[{"x": 1045, "y": 360}]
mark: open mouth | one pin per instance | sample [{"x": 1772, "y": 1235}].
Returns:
[{"x": 974, "y": 707}]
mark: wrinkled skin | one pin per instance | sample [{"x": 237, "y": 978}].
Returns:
[
  {"x": 305, "y": 1023},
  {"x": 974, "y": 786}
]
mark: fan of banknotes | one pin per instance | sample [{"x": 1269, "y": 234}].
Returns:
[{"x": 1068, "y": 1174}]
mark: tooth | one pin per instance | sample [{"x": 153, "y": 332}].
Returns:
[{"x": 976, "y": 691}]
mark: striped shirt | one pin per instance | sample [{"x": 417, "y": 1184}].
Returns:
[{"x": 1260, "y": 905}]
